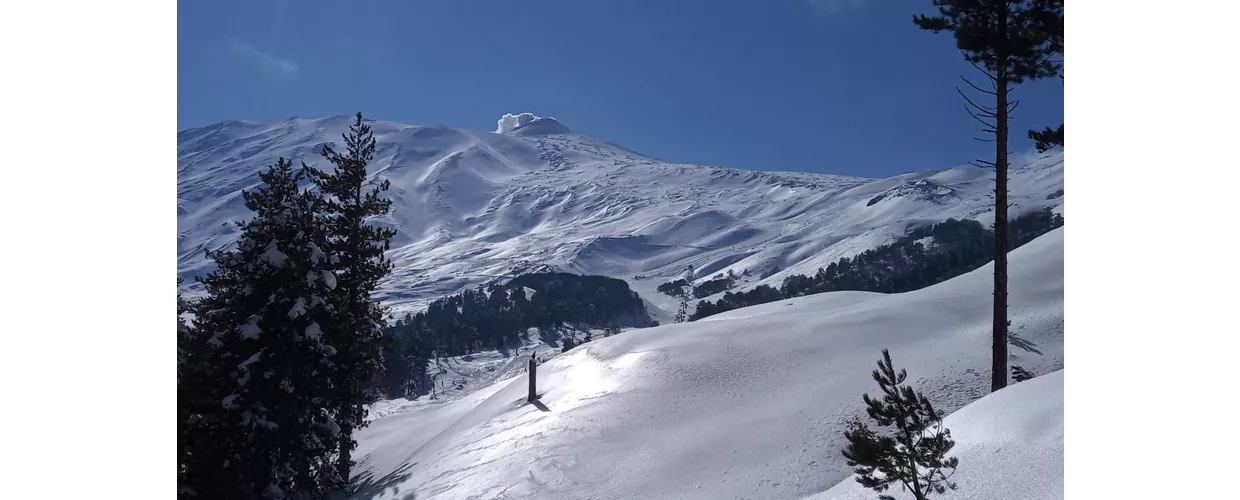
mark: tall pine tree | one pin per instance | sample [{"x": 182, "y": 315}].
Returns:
[
  {"x": 356, "y": 250},
  {"x": 255, "y": 387},
  {"x": 1008, "y": 42},
  {"x": 914, "y": 453}
]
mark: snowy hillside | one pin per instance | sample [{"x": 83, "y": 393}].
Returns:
[
  {"x": 1010, "y": 446},
  {"x": 747, "y": 404},
  {"x": 471, "y": 206}
]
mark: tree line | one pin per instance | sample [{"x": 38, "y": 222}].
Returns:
[
  {"x": 502, "y": 316},
  {"x": 275, "y": 367},
  {"x": 956, "y": 247}
]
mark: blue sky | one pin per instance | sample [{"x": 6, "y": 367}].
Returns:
[{"x": 833, "y": 86}]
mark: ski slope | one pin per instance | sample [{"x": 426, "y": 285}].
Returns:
[
  {"x": 472, "y": 207},
  {"x": 748, "y": 404},
  {"x": 1010, "y": 446}
]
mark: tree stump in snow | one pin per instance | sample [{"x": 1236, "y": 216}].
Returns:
[{"x": 533, "y": 380}]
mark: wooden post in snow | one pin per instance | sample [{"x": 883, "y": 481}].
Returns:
[{"x": 533, "y": 380}]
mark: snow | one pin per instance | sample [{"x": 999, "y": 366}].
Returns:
[
  {"x": 230, "y": 402},
  {"x": 245, "y": 365},
  {"x": 273, "y": 256},
  {"x": 746, "y": 404},
  {"x": 329, "y": 279},
  {"x": 316, "y": 253},
  {"x": 298, "y": 309},
  {"x": 250, "y": 329},
  {"x": 473, "y": 207},
  {"x": 314, "y": 331},
  {"x": 1010, "y": 446}
]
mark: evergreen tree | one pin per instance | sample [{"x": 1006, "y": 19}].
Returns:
[
  {"x": 183, "y": 330},
  {"x": 914, "y": 454},
  {"x": 682, "y": 314},
  {"x": 254, "y": 386},
  {"x": 356, "y": 251},
  {"x": 1009, "y": 42}
]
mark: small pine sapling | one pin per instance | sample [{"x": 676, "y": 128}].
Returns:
[{"x": 914, "y": 454}]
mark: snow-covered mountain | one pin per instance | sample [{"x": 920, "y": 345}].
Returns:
[
  {"x": 472, "y": 207},
  {"x": 750, "y": 403}
]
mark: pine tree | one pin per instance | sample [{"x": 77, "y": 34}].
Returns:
[
  {"x": 254, "y": 386},
  {"x": 682, "y": 314},
  {"x": 1009, "y": 42},
  {"x": 914, "y": 455},
  {"x": 356, "y": 251},
  {"x": 183, "y": 329}
]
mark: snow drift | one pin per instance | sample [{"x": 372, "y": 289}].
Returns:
[{"x": 748, "y": 404}]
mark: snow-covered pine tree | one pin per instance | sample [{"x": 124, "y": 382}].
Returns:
[
  {"x": 356, "y": 251},
  {"x": 914, "y": 454},
  {"x": 255, "y": 391}
]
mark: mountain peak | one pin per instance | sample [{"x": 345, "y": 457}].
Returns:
[{"x": 529, "y": 124}]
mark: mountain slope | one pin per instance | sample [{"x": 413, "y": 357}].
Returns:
[
  {"x": 470, "y": 207},
  {"x": 748, "y": 404}
]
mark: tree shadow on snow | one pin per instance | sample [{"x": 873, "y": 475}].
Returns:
[
  {"x": 366, "y": 485},
  {"x": 550, "y": 336},
  {"x": 1020, "y": 343},
  {"x": 537, "y": 403}
]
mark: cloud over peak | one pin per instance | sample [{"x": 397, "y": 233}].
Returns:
[{"x": 265, "y": 61}]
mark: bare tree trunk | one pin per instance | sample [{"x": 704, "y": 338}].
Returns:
[
  {"x": 533, "y": 380},
  {"x": 999, "y": 375},
  {"x": 345, "y": 462}
]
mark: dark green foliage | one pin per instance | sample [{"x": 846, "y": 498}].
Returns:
[
  {"x": 1014, "y": 39},
  {"x": 672, "y": 288},
  {"x": 1020, "y": 374},
  {"x": 735, "y": 300},
  {"x": 357, "y": 249},
  {"x": 913, "y": 452},
  {"x": 254, "y": 391},
  {"x": 499, "y": 317},
  {"x": 905, "y": 265},
  {"x": 407, "y": 355},
  {"x": 183, "y": 329},
  {"x": 682, "y": 313},
  {"x": 1047, "y": 138},
  {"x": 713, "y": 286}
]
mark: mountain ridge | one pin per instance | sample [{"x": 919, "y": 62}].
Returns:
[{"x": 471, "y": 207}]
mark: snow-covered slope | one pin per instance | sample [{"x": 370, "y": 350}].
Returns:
[
  {"x": 748, "y": 404},
  {"x": 1010, "y": 446},
  {"x": 477, "y": 206}
]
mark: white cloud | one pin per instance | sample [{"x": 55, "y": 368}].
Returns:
[
  {"x": 510, "y": 122},
  {"x": 266, "y": 61}
]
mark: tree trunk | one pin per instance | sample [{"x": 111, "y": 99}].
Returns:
[
  {"x": 345, "y": 461},
  {"x": 533, "y": 380},
  {"x": 999, "y": 375}
]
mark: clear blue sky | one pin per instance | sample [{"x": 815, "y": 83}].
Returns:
[{"x": 833, "y": 86}]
